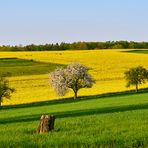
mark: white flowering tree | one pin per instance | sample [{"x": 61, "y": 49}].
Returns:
[{"x": 74, "y": 76}]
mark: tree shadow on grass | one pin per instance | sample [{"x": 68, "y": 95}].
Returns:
[
  {"x": 75, "y": 113},
  {"x": 79, "y": 99}
]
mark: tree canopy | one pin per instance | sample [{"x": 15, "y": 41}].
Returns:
[
  {"x": 74, "y": 76},
  {"x": 5, "y": 89},
  {"x": 135, "y": 76}
]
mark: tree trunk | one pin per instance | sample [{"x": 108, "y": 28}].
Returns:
[
  {"x": 136, "y": 87},
  {"x": 46, "y": 124},
  {"x": 75, "y": 94}
]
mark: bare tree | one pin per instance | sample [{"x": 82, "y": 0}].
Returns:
[
  {"x": 74, "y": 76},
  {"x": 5, "y": 89}
]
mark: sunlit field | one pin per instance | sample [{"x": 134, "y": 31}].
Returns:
[
  {"x": 29, "y": 71},
  {"x": 114, "y": 121}
]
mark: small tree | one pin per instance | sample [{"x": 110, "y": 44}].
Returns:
[
  {"x": 135, "y": 76},
  {"x": 74, "y": 76},
  {"x": 5, "y": 90}
]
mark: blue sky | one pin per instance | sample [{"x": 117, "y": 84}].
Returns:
[{"x": 49, "y": 21}]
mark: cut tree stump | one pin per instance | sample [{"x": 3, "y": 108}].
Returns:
[{"x": 46, "y": 124}]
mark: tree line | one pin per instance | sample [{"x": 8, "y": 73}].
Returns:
[{"x": 78, "y": 46}]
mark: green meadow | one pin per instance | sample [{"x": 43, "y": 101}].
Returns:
[
  {"x": 111, "y": 120},
  {"x": 21, "y": 67}
]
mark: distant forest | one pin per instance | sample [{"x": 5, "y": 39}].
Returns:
[{"x": 78, "y": 46}]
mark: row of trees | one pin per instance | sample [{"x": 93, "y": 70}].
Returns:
[
  {"x": 75, "y": 76},
  {"x": 79, "y": 46}
]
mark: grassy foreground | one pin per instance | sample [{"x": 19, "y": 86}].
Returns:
[{"x": 118, "y": 120}]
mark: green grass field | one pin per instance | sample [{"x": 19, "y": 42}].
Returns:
[
  {"x": 111, "y": 120},
  {"x": 22, "y": 67}
]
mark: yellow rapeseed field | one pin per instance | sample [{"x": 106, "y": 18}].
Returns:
[{"x": 106, "y": 66}]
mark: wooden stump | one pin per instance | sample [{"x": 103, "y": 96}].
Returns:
[{"x": 46, "y": 124}]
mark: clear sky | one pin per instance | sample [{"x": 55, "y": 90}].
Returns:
[{"x": 49, "y": 21}]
